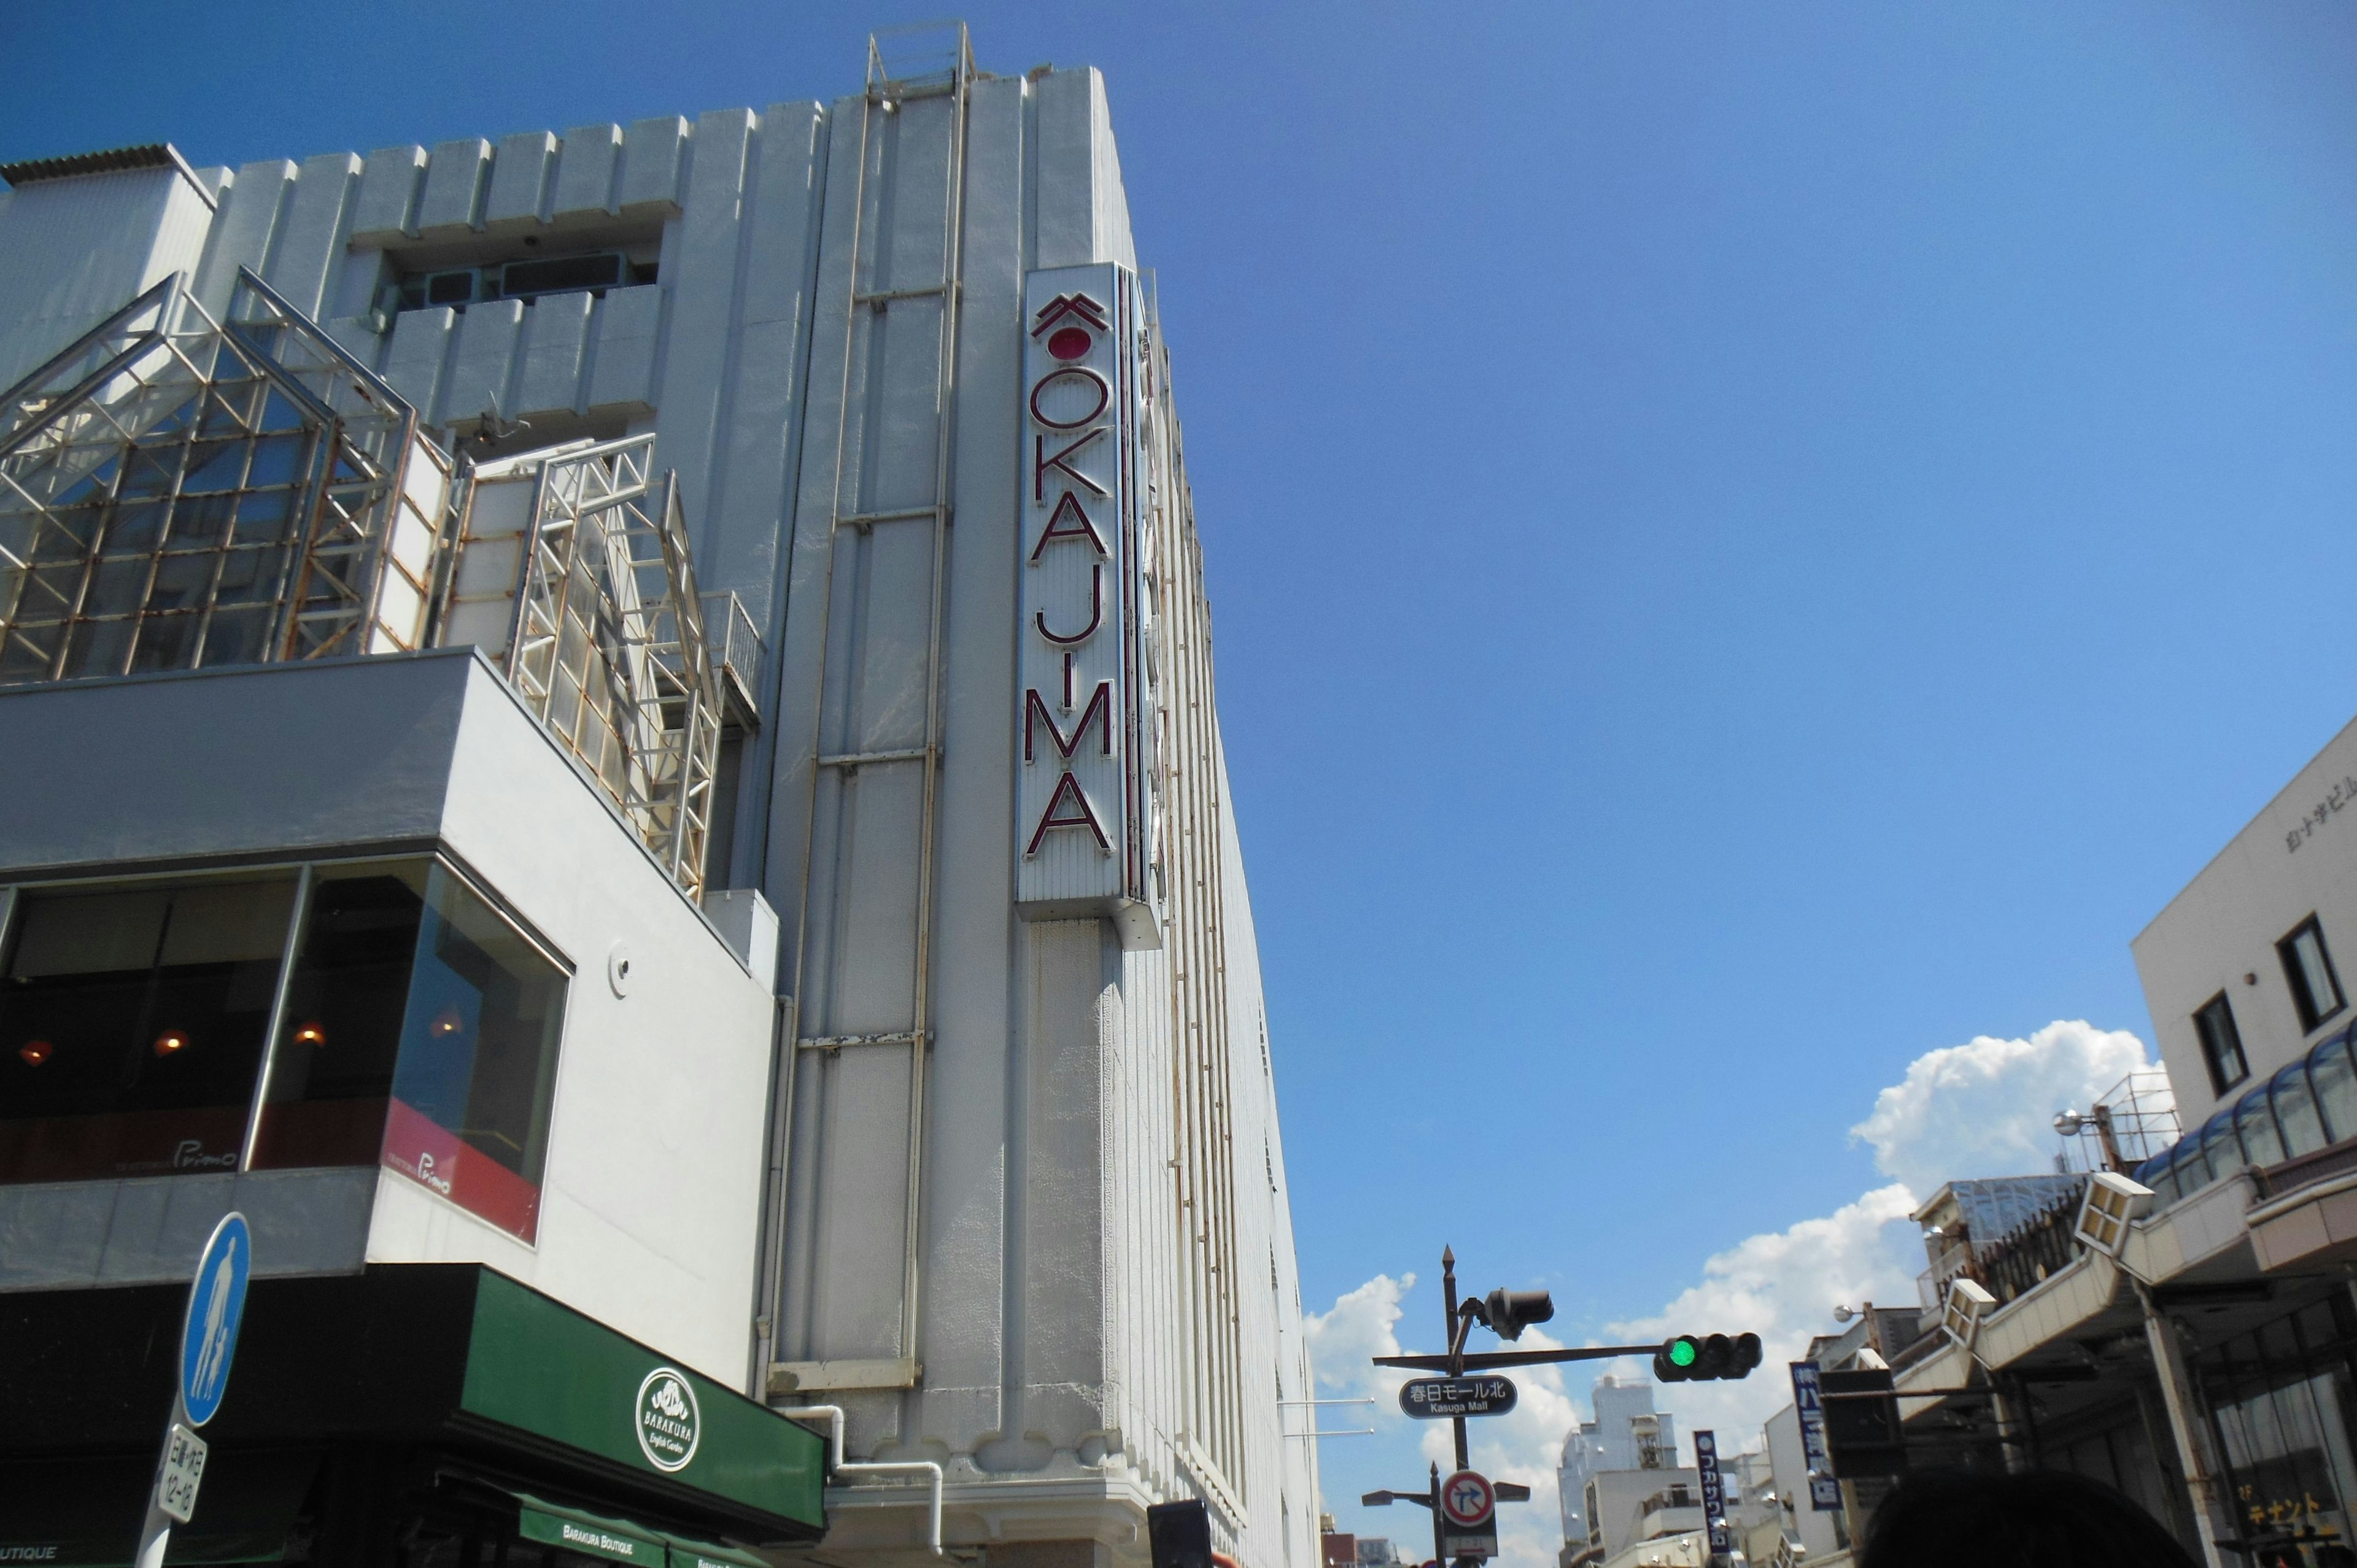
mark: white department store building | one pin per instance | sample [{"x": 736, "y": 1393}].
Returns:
[{"x": 739, "y": 575}]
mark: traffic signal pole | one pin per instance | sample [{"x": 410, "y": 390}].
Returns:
[
  {"x": 1470, "y": 1499},
  {"x": 1456, "y": 1332}
]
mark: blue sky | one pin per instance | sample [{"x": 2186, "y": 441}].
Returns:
[{"x": 1748, "y": 543}]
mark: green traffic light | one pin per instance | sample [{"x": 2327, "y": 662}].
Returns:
[{"x": 1683, "y": 1352}]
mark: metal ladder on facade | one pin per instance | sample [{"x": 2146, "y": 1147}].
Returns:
[{"x": 885, "y": 95}]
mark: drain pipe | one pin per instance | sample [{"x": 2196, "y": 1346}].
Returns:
[{"x": 837, "y": 1465}]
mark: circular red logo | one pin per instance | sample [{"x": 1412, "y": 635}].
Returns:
[{"x": 1069, "y": 343}]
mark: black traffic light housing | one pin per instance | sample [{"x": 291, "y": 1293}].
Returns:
[
  {"x": 1702, "y": 1358},
  {"x": 1509, "y": 1312}
]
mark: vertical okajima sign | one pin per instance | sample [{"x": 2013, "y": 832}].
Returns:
[{"x": 1087, "y": 817}]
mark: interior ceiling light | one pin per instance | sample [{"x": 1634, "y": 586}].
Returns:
[
  {"x": 310, "y": 1033},
  {"x": 33, "y": 1053},
  {"x": 169, "y": 1041}
]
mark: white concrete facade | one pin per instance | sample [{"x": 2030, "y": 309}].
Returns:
[
  {"x": 1022, "y": 1208},
  {"x": 2295, "y": 859},
  {"x": 646, "y": 1216}
]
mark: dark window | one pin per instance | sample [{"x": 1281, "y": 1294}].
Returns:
[
  {"x": 132, "y": 1024},
  {"x": 2315, "y": 989},
  {"x": 561, "y": 275},
  {"x": 592, "y": 271},
  {"x": 332, "y": 1079},
  {"x": 470, "y": 1095},
  {"x": 2221, "y": 1044},
  {"x": 420, "y": 1029}
]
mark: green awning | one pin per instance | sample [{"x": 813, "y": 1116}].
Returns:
[
  {"x": 620, "y": 1539},
  {"x": 686, "y": 1554},
  {"x": 614, "y": 1540}
]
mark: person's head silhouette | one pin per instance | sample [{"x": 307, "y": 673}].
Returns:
[{"x": 2043, "y": 1518}]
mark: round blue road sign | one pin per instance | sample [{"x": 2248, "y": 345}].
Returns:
[{"x": 216, "y": 1306}]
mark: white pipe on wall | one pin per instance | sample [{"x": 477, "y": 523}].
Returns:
[{"x": 836, "y": 1465}]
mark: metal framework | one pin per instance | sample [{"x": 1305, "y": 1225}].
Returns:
[
  {"x": 177, "y": 492},
  {"x": 608, "y": 651}
]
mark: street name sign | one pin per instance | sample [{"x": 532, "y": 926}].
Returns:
[
  {"x": 1433, "y": 1398},
  {"x": 184, "y": 1469}
]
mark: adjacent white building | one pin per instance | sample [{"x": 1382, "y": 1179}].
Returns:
[
  {"x": 746, "y": 566},
  {"x": 1612, "y": 1465}
]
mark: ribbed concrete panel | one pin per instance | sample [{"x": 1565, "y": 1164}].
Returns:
[
  {"x": 586, "y": 167},
  {"x": 74, "y": 250},
  {"x": 744, "y": 518},
  {"x": 801, "y": 641},
  {"x": 972, "y": 1353},
  {"x": 453, "y": 189},
  {"x": 386, "y": 207},
  {"x": 312, "y": 236},
  {"x": 520, "y": 171},
  {"x": 242, "y": 229},
  {"x": 628, "y": 323},
  {"x": 555, "y": 337},
  {"x": 1084, "y": 213},
  {"x": 651, "y": 154},
  {"x": 488, "y": 336},
  {"x": 698, "y": 352},
  {"x": 413, "y": 361}
]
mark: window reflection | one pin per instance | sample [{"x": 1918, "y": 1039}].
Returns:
[
  {"x": 470, "y": 1112},
  {"x": 332, "y": 1077},
  {"x": 133, "y": 1022},
  {"x": 2281, "y": 1398},
  {"x": 420, "y": 1029}
]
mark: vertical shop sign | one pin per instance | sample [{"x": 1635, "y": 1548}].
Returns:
[
  {"x": 1808, "y": 1403},
  {"x": 1086, "y": 816}
]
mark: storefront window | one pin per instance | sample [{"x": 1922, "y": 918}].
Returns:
[
  {"x": 133, "y": 1020},
  {"x": 471, "y": 1091},
  {"x": 332, "y": 1079},
  {"x": 419, "y": 1029},
  {"x": 2280, "y": 1401}
]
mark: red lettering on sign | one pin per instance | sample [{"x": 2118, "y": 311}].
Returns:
[
  {"x": 1041, "y": 463},
  {"x": 1096, "y": 613},
  {"x": 1080, "y": 527},
  {"x": 1098, "y": 712},
  {"x": 1104, "y": 396},
  {"x": 1068, "y": 789}
]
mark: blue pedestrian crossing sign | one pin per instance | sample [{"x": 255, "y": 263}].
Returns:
[{"x": 216, "y": 1307}]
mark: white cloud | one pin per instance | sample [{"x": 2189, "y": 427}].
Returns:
[
  {"x": 1981, "y": 1109},
  {"x": 1987, "y": 1108},
  {"x": 1783, "y": 1286},
  {"x": 1361, "y": 1325}
]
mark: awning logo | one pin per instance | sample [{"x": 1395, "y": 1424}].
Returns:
[{"x": 668, "y": 1421}]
